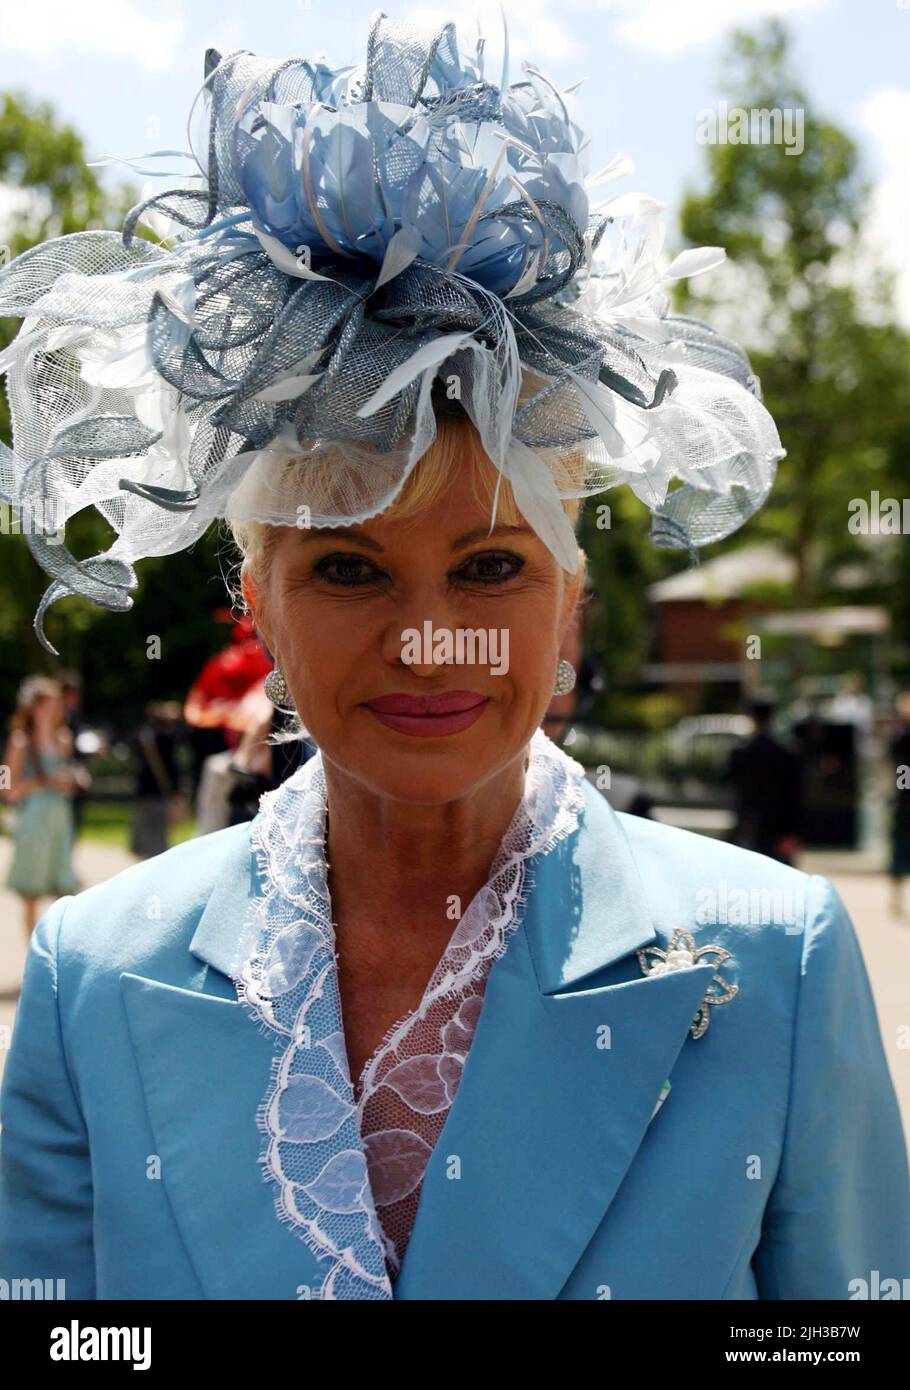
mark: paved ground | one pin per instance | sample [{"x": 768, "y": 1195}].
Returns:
[{"x": 885, "y": 941}]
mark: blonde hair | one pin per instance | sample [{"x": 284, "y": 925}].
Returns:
[
  {"x": 456, "y": 445},
  {"x": 32, "y": 689}
]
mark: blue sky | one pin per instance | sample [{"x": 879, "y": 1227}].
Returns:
[{"x": 125, "y": 71}]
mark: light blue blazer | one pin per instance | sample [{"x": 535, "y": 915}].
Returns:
[{"x": 774, "y": 1169}]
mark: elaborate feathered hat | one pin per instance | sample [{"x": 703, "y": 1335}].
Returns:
[{"x": 352, "y": 236}]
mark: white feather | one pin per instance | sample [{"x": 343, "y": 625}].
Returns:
[
  {"x": 403, "y": 247},
  {"x": 528, "y": 276},
  {"x": 285, "y": 259},
  {"x": 179, "y": 310},
  {"x": 287, "y": 388},
  {"x": 600, "y": 408},
  {"x": 430, "y": 355},
  {"x": 620, "y": 165},
  {"x": 617, "y": 422},
  {"x": 537, "y": 497},
  {"x": 693, "y": 262}
]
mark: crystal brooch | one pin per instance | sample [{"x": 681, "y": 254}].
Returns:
[{"x": 681, "y": 954}]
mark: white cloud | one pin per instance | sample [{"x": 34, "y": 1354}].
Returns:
[
  {"x": 113, "y": 29},
  {"x": 670, "y": 27},
  {"x": 19, "y": 207},
  {"x": 885, "y": 118}
]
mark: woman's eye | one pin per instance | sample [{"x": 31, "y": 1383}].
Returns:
[
  {"x": 347, "y": 569},
  {"x": 491, "y": 567}
]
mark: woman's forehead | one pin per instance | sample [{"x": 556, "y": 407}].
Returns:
[{"x": 385, "y": 533}]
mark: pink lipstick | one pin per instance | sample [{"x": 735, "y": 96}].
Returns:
[{"x": 429, "y": 716}]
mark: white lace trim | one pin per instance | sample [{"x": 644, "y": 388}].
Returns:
[{"x": 338, "y": 1162}]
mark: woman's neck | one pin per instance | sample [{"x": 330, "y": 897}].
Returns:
[
  {"x": 391, "y": 858},
  {"x": 45, "y": 735}
]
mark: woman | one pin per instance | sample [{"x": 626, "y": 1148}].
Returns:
[
  {"x": 484, "y": 1037},
  {"x": 262, "y": 762},
  {"x": 43, "y": 778}
]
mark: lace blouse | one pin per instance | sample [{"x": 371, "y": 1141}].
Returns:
[{"x": 347, "y": 1170}]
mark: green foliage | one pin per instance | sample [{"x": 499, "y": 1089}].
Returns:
[
  {"x": 622, "y": 563},
  {"x": 108, "y": 822},
  {"x": 831, "y": 358},
  {"x": 654, "y": 712}
]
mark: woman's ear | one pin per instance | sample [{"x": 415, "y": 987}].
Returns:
[{"x": 247, "y": 589}]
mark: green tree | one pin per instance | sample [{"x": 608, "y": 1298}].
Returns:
[
  {"x": 831, "y": 358},
  {"x": 622, "y": 563}
]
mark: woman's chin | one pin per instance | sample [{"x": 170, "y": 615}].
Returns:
[{"x": 420, "y": 770}]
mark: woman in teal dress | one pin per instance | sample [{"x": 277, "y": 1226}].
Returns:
[{"x": 42, "y": 780}]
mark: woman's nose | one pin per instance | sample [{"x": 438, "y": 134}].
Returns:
[{"x": 414, "y": 635}]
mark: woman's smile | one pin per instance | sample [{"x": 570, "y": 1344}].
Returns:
[{"x": 429, "y": 716}]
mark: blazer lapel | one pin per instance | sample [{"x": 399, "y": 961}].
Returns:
[
  {"x": 205, "y": 1070},
  {"x": 571, "y": 1049}
]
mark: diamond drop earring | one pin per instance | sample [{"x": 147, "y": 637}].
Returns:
[
  {"x": 565, "y": 678},
  {"x": 276, "y": 689}
]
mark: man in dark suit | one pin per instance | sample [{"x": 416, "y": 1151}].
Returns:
[{"x": 768, "y": 779}]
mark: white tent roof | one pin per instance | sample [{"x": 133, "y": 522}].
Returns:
[{"x": 726, "y": 576}]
